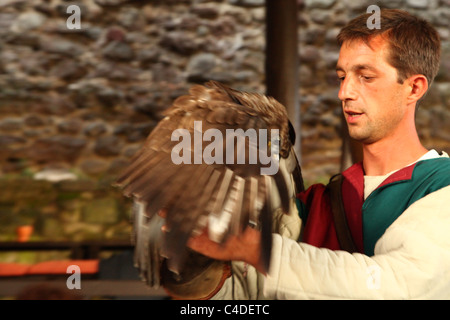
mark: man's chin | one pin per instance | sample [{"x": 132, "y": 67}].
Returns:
[{"x": 362, "y": 138}]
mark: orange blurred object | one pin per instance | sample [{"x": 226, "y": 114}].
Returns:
[{"x": 24, "y": 233}]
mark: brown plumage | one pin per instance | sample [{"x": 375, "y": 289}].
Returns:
[{"x": 225, "y": 197}]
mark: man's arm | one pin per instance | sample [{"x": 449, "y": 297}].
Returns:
[
  {"x": 245, "y": 247},
  {"x": 412, "y": 260}
]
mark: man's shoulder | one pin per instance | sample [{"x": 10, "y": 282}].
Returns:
[
  {"x": 435, "y": 173},
  {"x": 435, "y": 166}
]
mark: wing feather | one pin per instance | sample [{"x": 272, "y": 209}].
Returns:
[
  {"x": 266, "y": 225},
  {"x": 189, "y": 212}
]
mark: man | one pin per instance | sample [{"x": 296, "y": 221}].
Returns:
[{"x": 397, "y": 200}]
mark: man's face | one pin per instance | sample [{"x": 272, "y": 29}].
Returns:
[{"x": 373, "y": 101}]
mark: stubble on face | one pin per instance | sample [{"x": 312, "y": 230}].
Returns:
[
  {"x": 375, "y": 108},
  {"x": 376, "y": 125}
]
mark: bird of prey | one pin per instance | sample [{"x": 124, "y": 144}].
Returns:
[{"x": 220, "y": 160}]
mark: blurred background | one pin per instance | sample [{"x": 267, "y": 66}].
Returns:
[{"x": 76, "y": 104}]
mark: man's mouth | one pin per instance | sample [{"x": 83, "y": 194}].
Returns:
[{"x": 353, "y": 116}]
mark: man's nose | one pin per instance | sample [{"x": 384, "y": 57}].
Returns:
[{"x": 347, "y": 89}]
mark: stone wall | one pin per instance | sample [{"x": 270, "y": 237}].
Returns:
[{"x": 77, "y": 103}]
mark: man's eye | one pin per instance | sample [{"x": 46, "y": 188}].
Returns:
[
  {"x": 341, "y": 78},
  {"x": 367, "y": 78}
]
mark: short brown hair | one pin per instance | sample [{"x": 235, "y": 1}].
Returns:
[{"x": 414, "y": 45}]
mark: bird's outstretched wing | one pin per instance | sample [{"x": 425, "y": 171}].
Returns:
[{"x": 202, "y": 165}]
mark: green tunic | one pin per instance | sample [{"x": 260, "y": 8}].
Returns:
[{"x": 386, "y": 203}]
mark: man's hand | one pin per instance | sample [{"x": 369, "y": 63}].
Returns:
[{"x": 245, "y": 247}]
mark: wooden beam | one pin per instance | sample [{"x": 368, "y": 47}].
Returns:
[
  {"x": 78, "y": 249},
  {"x": 282, "y": 61},
  {"x": 89, "y": 288}
]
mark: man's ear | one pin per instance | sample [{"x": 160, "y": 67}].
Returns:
[{"x": 418, "y": 86}]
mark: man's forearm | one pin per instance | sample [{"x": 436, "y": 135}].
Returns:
[{"x": 411, "y": 261}]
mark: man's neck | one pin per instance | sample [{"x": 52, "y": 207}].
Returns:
[{"x": 387, "y": 155}]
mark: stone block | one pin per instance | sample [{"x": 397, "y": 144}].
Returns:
[{"x": 101, "y": 211}]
